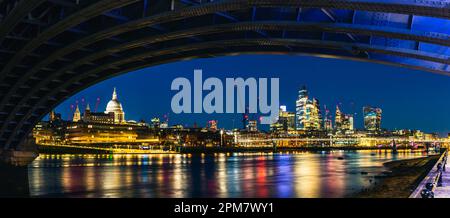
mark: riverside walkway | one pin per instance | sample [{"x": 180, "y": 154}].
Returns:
[
  {"x": 444, "y": 190},
  {"x": 438, "y": 189}
]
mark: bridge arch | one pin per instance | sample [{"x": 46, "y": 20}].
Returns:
[{"x": 51, "y": 49}]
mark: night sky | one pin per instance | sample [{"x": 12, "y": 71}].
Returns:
[{"x": 410, "y": 99}]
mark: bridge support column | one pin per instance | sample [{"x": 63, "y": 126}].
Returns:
[
  {"x": 14, "y": 173},
  {"x": 17, "y": 158},
  {"x": 14, "y": 170}
]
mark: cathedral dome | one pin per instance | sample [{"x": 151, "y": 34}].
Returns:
[
  {"x": 116, "y": 107},
  {"x": 113, "y": 106}
]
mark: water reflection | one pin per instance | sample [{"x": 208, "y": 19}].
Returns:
[{"x": 294, "y": 174}]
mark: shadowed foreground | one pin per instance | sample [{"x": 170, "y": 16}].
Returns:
[{"x": 402, "y": 178}]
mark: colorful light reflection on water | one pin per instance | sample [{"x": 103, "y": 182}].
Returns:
[{"x": 293, "y": 174}]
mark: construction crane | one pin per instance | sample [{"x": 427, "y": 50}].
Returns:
[
  {"x": 82, "y": 103},
  {"x": 96, "y": 104},
  {"x": 245, "y": 118},
  {"x": 69, "y": 117}
]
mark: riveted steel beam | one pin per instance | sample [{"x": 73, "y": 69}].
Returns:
[
  {"x": 76, "y": 18},
  {"x": 16, "y": 15}
]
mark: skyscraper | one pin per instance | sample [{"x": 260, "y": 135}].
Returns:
[
  {"x": 308, "y": 115},
  {"x": 343, "y": 122},
  {"x": 316, "y": 115},
  {"x": 347, "y": 123},
  {"x": 302, "y": 114},
  {"x": 327, "y": 122},
  {"x": 338, "y": 118},
  {"x": 285, "y": 122},
  {"x": 372, "y": 118}
]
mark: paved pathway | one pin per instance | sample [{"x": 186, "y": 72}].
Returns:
[{"x": 444, "y": 191}]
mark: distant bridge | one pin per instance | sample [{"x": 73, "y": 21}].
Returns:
[
  {"x": 373, "y": 141},
  {"x": 52, "y": 49}
]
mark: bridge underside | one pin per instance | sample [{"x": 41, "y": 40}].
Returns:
[{"x": 51, "y": 49}]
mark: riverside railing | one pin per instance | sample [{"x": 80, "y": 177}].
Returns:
[{"x": 427, "y": 186}]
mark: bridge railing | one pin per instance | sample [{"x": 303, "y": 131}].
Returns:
[{"x": 427, "y": 186}]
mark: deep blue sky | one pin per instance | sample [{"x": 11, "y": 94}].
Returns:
[{"x": 409, "y": 98}]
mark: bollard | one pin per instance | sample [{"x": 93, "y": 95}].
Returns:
[
  {"x": 439, "y": 183},
  {"x": 444, "y": 162},
  {"x": 425, "y": 193},
  {"x": 429, "y": 186}
]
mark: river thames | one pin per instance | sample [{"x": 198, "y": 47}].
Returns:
[{"x": 225, "y": 175}]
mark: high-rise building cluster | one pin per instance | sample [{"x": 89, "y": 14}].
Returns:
[
  {"x": 308, "y": 117},
  {"x": 343, "y": 122},
  {"x": 286, "y": 121},
  {"x": 308, "y": 114}
]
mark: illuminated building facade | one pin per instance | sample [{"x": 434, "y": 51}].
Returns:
[
  {"x": 308, "y": 115},
  {"x": 343, "y": 122},
  {"x": 347, "y": 124},
  {"x": 252, "y": 126},
  {"x": 316, "y": 116},
  {"x": 51, "y": 132},
  {"x": 76, "y": 115},
  {"x": 43, "y": 134},
  {"x": 327, "y": 124},
  {"x": 164, "y": 125},
  {"x": 54, "y": 117},
  {"x": 95, "y": 127},
  {"x": 338, "y": 118},
  {"x": 113, "y": 114},
  {"x": 90, "y": 117},
  {"x": 115, "y": 107},
  {"x": 100, "y": 133},
  {"x": 156, "y": 122},
  {"x": 285, "y": 122},
  {"x": 212, "y": 125},
  {"x": 327, "y": 120},
  {"x": 276, "y": 127},
  {"x": 372, "y": 118},
  {"x": 302, "y": 114}
]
